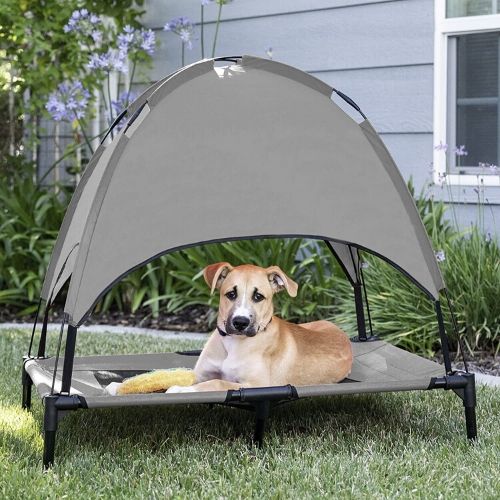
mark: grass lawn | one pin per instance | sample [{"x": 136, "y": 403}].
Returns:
[{"x": 385, "y": 445}]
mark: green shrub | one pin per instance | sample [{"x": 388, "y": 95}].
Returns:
[
  {"x": 30, "y": 217},
  {"x": 175, "y": 281}
]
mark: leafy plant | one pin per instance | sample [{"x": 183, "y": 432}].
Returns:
[{"x": 30, "y": 217}]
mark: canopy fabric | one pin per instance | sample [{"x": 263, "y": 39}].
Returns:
[
  {"x": 255, "y": 149},
  {"x": 66, "y": 247}
]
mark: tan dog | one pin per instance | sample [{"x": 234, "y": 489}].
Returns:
[{"x": 253, "y": 348}]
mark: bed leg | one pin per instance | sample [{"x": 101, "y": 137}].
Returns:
[
  {"x": 262, "y": 409},
  {"x": 49, "y": 430},
  {"x": 470, "y": 406},
  {"x": 27, "y": 384}
]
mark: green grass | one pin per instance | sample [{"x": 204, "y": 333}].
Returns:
[{"x": 408, "y": 445}]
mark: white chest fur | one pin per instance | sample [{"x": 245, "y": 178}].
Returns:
[{"x": 244, "y": 362}]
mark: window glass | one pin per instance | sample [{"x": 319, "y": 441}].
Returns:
[
  {"x": 476, "y": 108},
  {"x": 463, "y": 8}
]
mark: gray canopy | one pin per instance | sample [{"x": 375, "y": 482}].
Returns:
[{"x": 252, "y": 149}]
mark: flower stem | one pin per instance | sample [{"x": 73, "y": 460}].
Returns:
[
  {"x": 82, "y": 128},
  {"x": 202, "y": 39},
  {"x": 110, "y": 105},
  {"x": 217, "y": 28},
  {"x": 130, "y": 82},
  {"x": 182, "y": 54}
]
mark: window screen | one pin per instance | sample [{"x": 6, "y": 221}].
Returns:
[
  {"x": 473, "y": 99},
  {"x": 463, "y": 8}
]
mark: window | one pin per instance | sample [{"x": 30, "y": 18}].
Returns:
[
  {"x": 462, "y": 8},
  {"x": 467, "y": 91}
]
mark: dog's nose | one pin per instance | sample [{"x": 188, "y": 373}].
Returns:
[{"x": 240, "y": 322}]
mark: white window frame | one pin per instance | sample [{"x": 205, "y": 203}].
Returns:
[{"x": 444, "y": 28}]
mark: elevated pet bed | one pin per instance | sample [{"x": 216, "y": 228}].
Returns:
[{"x": 226, "y": 149}]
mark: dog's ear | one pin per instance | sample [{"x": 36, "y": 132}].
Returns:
[
  {"x": 279, "y": 281},
  {"x": 215, "y": 274}
]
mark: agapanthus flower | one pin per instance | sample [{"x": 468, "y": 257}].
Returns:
[
  {"x": 68, "y": 102},
  {"x": 440, "y": 256},
  {"x": 182, "y": 27},
  {"x": 132, "y": 39},
  {"x": 206, "y": 2},
  {"x": 112, "y": 60},
  {"x": 461, "y": 151},
  {"x": 83, "y": 22}
]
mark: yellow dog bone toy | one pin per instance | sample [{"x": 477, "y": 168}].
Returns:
[{"x": 156, "y": 381}]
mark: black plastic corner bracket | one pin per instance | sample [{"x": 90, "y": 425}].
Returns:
[
  {"x": 56, "y": 407},
  {"x": 464, "y": 385}
]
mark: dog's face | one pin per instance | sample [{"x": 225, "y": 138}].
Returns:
[{"x": 246, "y": 295}]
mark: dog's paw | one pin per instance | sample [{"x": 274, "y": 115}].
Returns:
[
  {"x": 112, "y": 389},
  {"x": 178, "y": 388}
]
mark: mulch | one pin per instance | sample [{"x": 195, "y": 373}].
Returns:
[{"x": 202, "y": 319}]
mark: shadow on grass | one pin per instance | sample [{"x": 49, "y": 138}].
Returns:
[{"x": 344, "y": 419}]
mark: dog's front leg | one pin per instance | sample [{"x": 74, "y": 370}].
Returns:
[{"x": 209, "y": 364}]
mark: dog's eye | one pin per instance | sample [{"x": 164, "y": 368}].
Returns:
[
  {"x": 231, "y": 295},
  {"x": 257, "y": 297}
]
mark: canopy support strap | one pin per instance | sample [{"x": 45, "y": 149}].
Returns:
[
  {"x": 34, "y": 327},
  {"x": 69, "y": 356},
  {"x": 445, "y": 347}
]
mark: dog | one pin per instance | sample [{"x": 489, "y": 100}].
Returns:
[{"x": 253, "y": 348}]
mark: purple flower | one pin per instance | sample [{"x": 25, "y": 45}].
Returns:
[
  {"x": 182, "y": 27},
  {"x": 68, "y": 102},
  {"x": 460, "y": 151},
  {"x": 84, "y": 23},
  {"x": 441, "y": 147},
  {"x": 132, "y": 39},
  {"x": 112, "y": 60},
  {"x": 440, "y": 256},
  {"x": 206, "y": 2}
]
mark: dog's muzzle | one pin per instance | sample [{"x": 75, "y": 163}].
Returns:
[{"x": 235, "y": 331}]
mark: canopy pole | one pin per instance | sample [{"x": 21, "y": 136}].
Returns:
[
  {"x": 443, "y": 338},
  {"x": 69, "y": 356},
  {"x": 360, "y": 312},
  {"x": 455, "y": 328}
]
